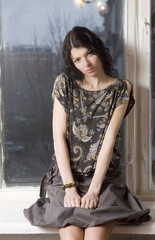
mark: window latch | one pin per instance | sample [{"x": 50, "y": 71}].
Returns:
[{"x": 147, "y": 25}]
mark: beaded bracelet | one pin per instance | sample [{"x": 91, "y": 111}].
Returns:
[{"x": 69, "y": 185}]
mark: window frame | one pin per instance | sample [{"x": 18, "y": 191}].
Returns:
[
  {"x": 1, "y": 148},
  {"x": 137, "y": 37},
  {"x": 138, "y": 125}
]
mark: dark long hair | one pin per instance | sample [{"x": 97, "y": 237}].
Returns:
[{"x": 83, "y": 37}]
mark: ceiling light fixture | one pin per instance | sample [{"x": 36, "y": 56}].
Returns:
[{"x": 102, "y": 7}]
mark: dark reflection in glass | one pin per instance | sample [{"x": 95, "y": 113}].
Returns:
[
  {"x": 27, "y": 112},
  {"x": 153, "y": 89},
  {"x": 32, "y": 36}
]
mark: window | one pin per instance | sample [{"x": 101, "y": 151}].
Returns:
[{"x": 32, "y": 35}]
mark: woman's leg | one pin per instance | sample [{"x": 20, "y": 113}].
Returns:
[
  {"x": 99, "y": 232},
  {"x": 71, "y": 233}
]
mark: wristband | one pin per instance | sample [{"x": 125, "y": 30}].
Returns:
[{"x": 69, "y": 185}]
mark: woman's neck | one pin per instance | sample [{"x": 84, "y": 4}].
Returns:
[{"x": 97, "y": 83}]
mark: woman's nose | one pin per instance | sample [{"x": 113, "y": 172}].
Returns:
[{"x": 86, "y": 62}]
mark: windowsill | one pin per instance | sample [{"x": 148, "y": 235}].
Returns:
[{"x": 12, "y": 220}]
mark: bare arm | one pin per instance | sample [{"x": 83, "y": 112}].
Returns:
[
  {"x": 62, "y": 155},
  {"x": 90, "y": 200},
  {"x": 60, "y": 145}
]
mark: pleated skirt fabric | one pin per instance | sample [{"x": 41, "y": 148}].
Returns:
[{"x": 115, "y": 203}]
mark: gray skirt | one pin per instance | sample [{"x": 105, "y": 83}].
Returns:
[{"x": 115, "y": 203}]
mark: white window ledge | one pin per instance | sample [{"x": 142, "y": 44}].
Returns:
[{"x": 12, "y": 220}]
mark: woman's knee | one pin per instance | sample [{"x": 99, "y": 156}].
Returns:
[
  {"x": 100, "y": 232},
  {"x": 71, "y": 233}
]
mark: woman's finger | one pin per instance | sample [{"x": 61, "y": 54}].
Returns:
[
  {"x": 67, "y": 202},
  {"x": 83, "y": 203},
  {"x": 77, "y": 203},
  {"x": 87, "y": 204},
  {"x": 91, "y": 204},
  {"x": 73, "y": 202},
  {"x": 95, "y": 203}
]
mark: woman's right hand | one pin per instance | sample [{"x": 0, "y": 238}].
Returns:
[{"x": 72, "y": 198}]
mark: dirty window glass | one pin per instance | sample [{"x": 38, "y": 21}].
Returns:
[{"x": 32, "y": 36}]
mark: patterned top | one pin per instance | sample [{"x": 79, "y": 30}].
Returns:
[{"x": 88, "y": 116}]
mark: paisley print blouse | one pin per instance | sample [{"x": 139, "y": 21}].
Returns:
[{"x": 88, "y": 116}]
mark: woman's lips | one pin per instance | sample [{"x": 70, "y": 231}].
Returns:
[{"x": 90, "y": 70}]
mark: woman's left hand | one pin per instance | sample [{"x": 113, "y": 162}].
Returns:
[{"x": 89, "y": 200}]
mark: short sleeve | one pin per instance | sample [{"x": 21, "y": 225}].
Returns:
[
  {"x": 122, "y": 96},
  {"x": 60, "y": 91},
  {"x": 131, "y": 101}
]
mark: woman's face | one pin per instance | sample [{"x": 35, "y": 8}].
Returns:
[{"x": 86, "y": 61}]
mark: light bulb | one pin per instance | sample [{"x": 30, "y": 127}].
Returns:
[
  {"x": 102, "y": 7},
  {"x": 78, "y": 3},
  {"x": 99, "y": 3}
]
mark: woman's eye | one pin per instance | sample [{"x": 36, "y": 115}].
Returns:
[
  {"x": 76, "y": 60},
  {"x": 90, "y": 52}
]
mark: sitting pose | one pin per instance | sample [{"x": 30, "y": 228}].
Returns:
[{"x": 87, "y": 196}]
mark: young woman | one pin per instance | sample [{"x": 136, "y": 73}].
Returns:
[{"x": 86, "y": 193}]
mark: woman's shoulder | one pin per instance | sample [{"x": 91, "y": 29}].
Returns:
[
  {"x": 124, "y": 84},
  {"x": 62, "y": 84},
  {"x": 61, "y": 81},
  {"x": 62, "y": 78},
  {"x": 125, "y": 90},
  {"x": 124, "y": 81}
]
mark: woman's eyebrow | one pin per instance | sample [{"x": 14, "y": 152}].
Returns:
[{"x": 75, "y": 57}]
